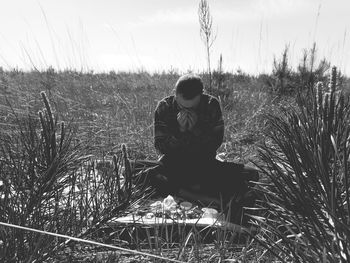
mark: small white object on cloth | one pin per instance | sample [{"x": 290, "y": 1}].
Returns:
[
  {"x": 169, "y": 203},
  {"x": 149, "y": 215},
  {"x": 156, "y": 206},
  {"x": 186, "y": 205},
  {"x": 209, "y": 213}
]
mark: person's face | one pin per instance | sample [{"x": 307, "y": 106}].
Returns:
[{"x": 191, "y": 104}]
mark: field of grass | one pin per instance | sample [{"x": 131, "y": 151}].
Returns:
[{"x": 59, "y": 129}]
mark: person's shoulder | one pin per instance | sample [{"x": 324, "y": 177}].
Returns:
[
  {"x": 166, "y": 102},
  {"x": 213, "y": 107},
  {"x": 210, "y": 100}
]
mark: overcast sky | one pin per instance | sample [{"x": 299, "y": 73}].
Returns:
[{"x": 156, "y": 35}]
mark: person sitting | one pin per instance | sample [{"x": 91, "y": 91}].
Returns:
[{"x": 188, "y": 130}]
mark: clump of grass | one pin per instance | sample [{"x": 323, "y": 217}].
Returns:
[
  {"x": 37, "y": 160},
  {"x": 306, "y": 159},
  {"x": 48, "y": 182}
]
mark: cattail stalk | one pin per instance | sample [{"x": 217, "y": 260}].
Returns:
[
  {"x": 117, "y": 176},
  {"x": 127, "y": 173}
]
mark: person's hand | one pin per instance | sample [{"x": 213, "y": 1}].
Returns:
[
  {"x": 182, "y": 119},
  {"x": 187, "y": 119},
  {"x": 192, "y": 119}
]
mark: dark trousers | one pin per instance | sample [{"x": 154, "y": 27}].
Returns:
[
  {"x": 225, "y": 181},
  {"x": 210, "y": 177}
]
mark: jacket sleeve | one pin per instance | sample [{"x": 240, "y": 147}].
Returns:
[{"x": 167, "y": 140}]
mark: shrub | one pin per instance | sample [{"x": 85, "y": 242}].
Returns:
[
  {"x": 307, "y": 196},
  {"x": 47, "y": 182},
  {"x": 285, "y": 80}
]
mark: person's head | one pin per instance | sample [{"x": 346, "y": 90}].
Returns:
[{"x": 188, "y": 90}]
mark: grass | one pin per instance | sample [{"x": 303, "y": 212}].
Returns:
[
  {"x": 63, "y": 169},
  {"x": 306, "y": 159},
  {"x": 49, "y": 183}
]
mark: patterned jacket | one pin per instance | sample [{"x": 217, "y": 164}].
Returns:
[{"x": 202, "y": 142}]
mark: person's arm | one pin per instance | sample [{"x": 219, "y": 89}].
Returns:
[
  {"x": 167, "y": 140},
  {"x": 210, "y": 139}
]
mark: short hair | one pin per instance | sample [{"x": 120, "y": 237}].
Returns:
[{"x": 189, "y": 86}]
